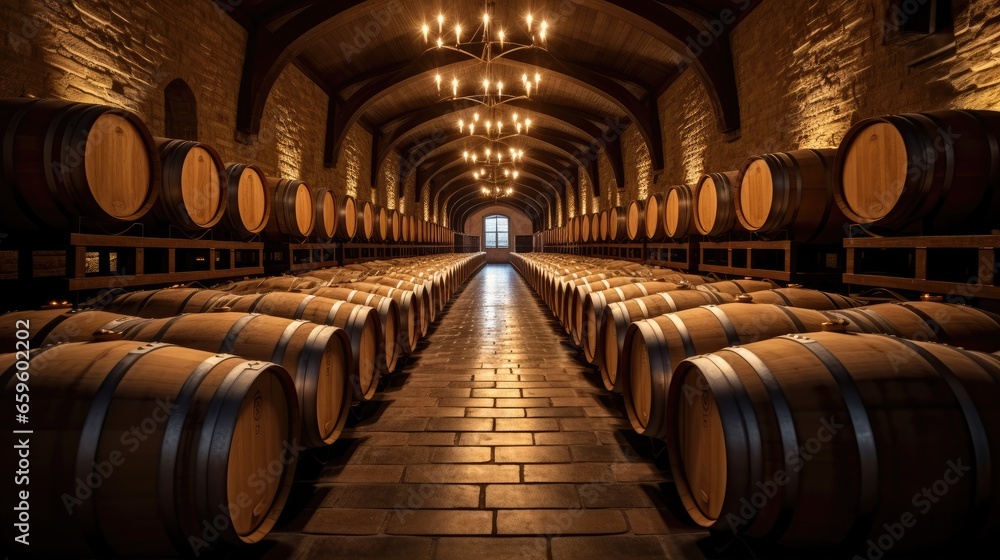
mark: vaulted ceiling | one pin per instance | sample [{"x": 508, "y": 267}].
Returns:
[{"x": 605, "y": 67}]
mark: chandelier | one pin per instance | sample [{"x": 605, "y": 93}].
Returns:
[{"x": 495, "y": 160}]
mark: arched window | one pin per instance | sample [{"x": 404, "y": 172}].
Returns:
[
  {"x": 181, "y": 111},
  {"x": 496, "y": 232}
]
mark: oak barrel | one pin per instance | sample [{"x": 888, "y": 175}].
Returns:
[
  {"x": 249, "y": 206},
  {"x": 293, "y": 209},
  {"x": 193, "y": 188},
  {"x": 146, "y": 445},
  {"x": 347, "y": 218},
  {"x": 617, "y": 226},
  {"x": 388, "y": 314},
  {"x": 603, "y": 227},
  {"x": 939, "y": 170},
  {"x": 635, "y": 220},
  {"x": 655, "y": 228},
  {"x": 585, "y": 228},
  {"x": 595, "y": 228},
  {"x": 678, "y": 212},
  {"x": 596, "y": 304},
  {"x": 380, "y": 230},
  {"x": 326, "y": 215},
  {"x": 830, "y": 445},
  {"x": 366, "y": 221},
  {"x": 790, "y": 192},
  {"x": 714, "y": 204},
  {"x": 62, "y": 161}
]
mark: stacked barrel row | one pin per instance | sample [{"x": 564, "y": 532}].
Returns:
[
  {"x": 805, "y": 405},
  {"x": 181, "y": 412},
  {"x": 935, "y": 172},
  {"x": 66, "y": 162}
]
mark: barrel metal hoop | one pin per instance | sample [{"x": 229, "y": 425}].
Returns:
[
  {"x": 789, "y": 439},
  {"x": 90, "y": 439},
  {"x": 783, "y": 297},
  {"x": 234, "y": 332},
  {"x": 940, "y": 334},
  {"x": 278, "y": 356},
  {"x": 684, "y": 333},
  {"x": 793, "y": 318},
  {"x": 137, "y": 327},
  {"x": 863, "y": 434},
  {"x": 171, "y": 448},
  {"x": 727, "y": 324},
  {"x": 973, "y": 422},
  {"x": 667, "y": 298},
  {"x": 256, "y": 303},
  {"x": 32, "y": 354},
  {"x": 333, "y": 312},
  {"x": 302, "y": 307},
  {"x": 44, "y": 332}
]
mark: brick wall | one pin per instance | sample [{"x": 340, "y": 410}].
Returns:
[{"x": 520, "y": 224}]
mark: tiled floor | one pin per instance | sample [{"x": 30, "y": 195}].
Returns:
[{"x": 494, "y": 442}]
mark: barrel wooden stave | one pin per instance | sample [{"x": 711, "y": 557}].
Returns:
[
  {"x": 249, "y": 206},
  {"x": 194, "y": 187}
]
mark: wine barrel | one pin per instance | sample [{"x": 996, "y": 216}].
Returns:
[
  {"x": 408, "y": 307},
  {"x": 165, "y": 303},
  {"x": 293, "y": 207},
  {"x": 800, "y": 297},
  {"x": 790, "y": 191},
  {"x": 405, "y": 223},
  {"x": 194, "y": 186},
  {"x": 585, "y": 228},
  {"x": 678, "y": 212},
  {"x": 738, "y": 286},
  {"x": 603, "y": 227},
  {"x": 427, "y": 292},
  {"x": 927, "y": 321},
  {"x": 620, "y": 315},
  {"x": 939, "y": 170},
  {"x": 347, "y": 218},
  {"x": 805, "y": 431},
  {"x": 714, "y": 205},
  {"x": 249, "y": 206},
  {"x": 617, "y": 226},
  {"x": 596, "y": 304},
  {"x": 395, "y": 227},
  {"x": 326, "y": 215},
  {"x": 635, "y": 220},
  {"x": 269, "y": 284},
  {"x": 656, "y": 229},
  {"x": 366, "y": 221},
  {"x": 654, "y": 347},
  {"x": 595, "y": 228},
  {"x": 388, "y": 314},
  {"x": 316, "y": 357},
  {"x": 202, "y": 427},
  {"x": 575, "y": 296},
  {"x": 381, "y": 227},
  {"x": 62, "y": 161},
  {"x": 361, "y": 323}
]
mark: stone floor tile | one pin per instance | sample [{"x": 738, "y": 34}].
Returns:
[
  {"x": 532, "y": 496},
  {"x": 607, "y": 548},
  {"x": 577, "y": 472},
  {"x": 341, "y": 521},
  {"x": 441, "y": 522},
  {"x": 533, "y": 454},
  {"x": 495, "y": 439},
  {"x": 527, "y": 425},
  {"x": 460, "y": 425},
  {"x": 462, "y": 474},
  {"x": 560, "y": 522},
  {"x": 461, "y": 455},
  {"x": 458, "y": 548},
  {"x": 497, "y": 412}
]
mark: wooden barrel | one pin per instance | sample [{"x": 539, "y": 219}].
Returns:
[
  {"x": 435, "y": 289},
  {"x": 361, "y": 323},
  {"x": 617, "y": 226},
  {"x": 803, "y": 434},
  {"x": 585, "y": 228},
  {"x": 574, "y": 229},
  {"x": 388, "y": 314},
  {"x": 347, "y": 218},
  {"x": 422, "y": 297},
  {"x": 326, "y": 215},
  {"x": 382, "y": 226},
  {"x": 678, "y": 212},
  {"x": 940, "y": 170},
  {"x": 653, "y": 348},
  {"x": 714, "y": 203},
  {"x": 293, "y": 207},
  {"x": 317, "y": 357},
  {"x": 269, "y": 284},
  {"x": 194, "y": 186},
  {"x": 395, "y": 227},
  {"x": 790, "y": 191},
  {"x": 366, "y": 221},
  {"x": 405, "y": 223},
  {"x": 738, "y": 286},
  {"x": 800, "y": 297},
  {"x": 575, "y": 297},
  {"x": 409, "y": 308},
  {"x": 63, "y": 161},
  {"x": 164, "y": 303},
  {"x": 595, "y": 228},
  {"x": 202, "y": 427},
  {"x": 927, "y": 321},
  {"x": 620, "y": 315},
  {"x": 656, "y": 229},
  {"x": 249, "y": 206},
  {"x": 603, "y": 227},
  {"x": 635, "y": 220},
  {"x": 596, "y": 304}
]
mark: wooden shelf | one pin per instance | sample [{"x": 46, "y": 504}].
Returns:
[
  {"x": 961, "y": 267},
  {"x": 777, "y": 260}
]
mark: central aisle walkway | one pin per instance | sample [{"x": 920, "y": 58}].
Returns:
[{"x": 495, "y": 442}]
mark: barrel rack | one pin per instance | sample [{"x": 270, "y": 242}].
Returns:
[
  {"x": 960, "y": 267},
  {"x": 787, "y": 261}
]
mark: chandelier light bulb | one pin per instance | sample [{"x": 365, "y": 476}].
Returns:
[
  {"x": 499, "y": 127},
  {"x": 440, "y": 23},
  {"x": 458, "y": 34},
  {"x": 461, "y": 127},
  {"x": 510, "y": 191},
  {"x": 488, "y": 153},
  {"x": 506, "y": 172},
  {"x": 545, "y": 30},
  {"x": 527, "y": 86},
  {"x": 500, "y": 89},
  {"x": 516, "y": 174},
  {"x": 454, "y": 87},
  {"x": 529, "y": 19},
  {"x": 476, "y": 175},
  {"x": 440, "y": 42},
  {"x": 486, "y": 19},
  {"x": 538, "y": 78},
  {"x": 426, "y": 30},
  {"x": 519, "y": 128},
  {"x": 465, "y": 155},
  {"x": 499, "y": 157},
  {"x": 527, "y": 126},
  {"x": 502, "y": 36},
  {"x": 474, "y": 158},
  {"x": 475, "y": 117},
  {"x": 437, "y": 80}
]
